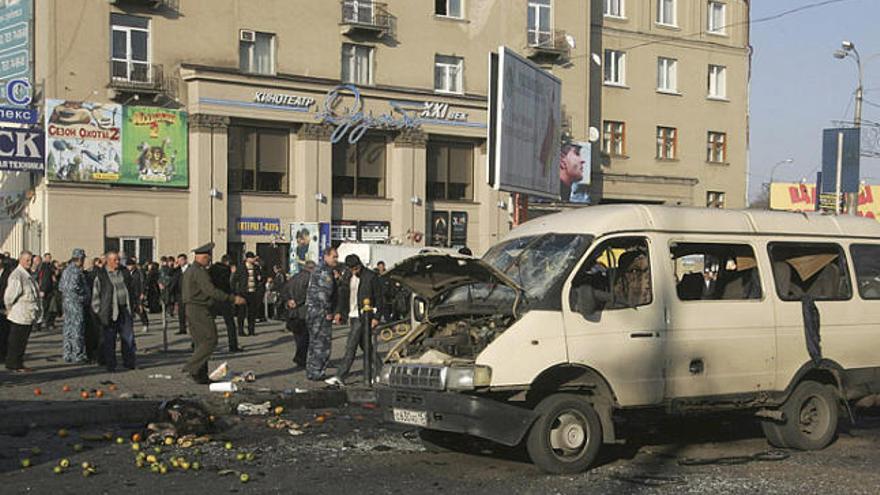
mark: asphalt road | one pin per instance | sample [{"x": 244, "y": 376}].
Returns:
[{"x": 351, "y": 451}]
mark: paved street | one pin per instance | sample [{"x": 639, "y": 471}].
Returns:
[
  {"x": 350, "y": 447},
  {"x": 268, "y": 354}
]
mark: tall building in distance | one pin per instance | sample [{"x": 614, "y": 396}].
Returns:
[{"x": 674, "y": 104}]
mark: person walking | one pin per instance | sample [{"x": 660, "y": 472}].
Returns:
[
  {"x": 293, "y": 298},
  {"x": 221, "y": 277},
  {"x": 247, "y": 283},
  {"x": 199, "y": 294},
  {"x": 111, "y": 301},
  {"x": 152, "y": 287},
  {"x": 278, "y": 280},
  {"x": 7, "y": 266},
  {"x": 359, "y": 288},
  {"x": 138, "y": 289},
  {"x": 23, "y": 310},
  {"x": 176, "y": 287},
  {"x": 75, "y": 297},
  {"x": 92, "y": 325},
  {"x": 320, "y": 304}
]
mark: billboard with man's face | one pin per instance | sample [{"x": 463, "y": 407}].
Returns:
[{"x": 574, "y": 172}]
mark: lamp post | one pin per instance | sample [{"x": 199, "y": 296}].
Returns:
[
  {"x": 773, "y": 170},
  {"x": 848, "y": 49}
]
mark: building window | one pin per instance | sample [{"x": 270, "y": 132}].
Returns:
[
  {"x": 717, "y": 81},
  {"x": 614, "y": 138},
  {"x": 717, "y": 11},
  {"x": 615, "y": 67},
  {"x": 357, "y": 64},
  {"x": 448, "y": 74},
  {"x": 358, "y": 11},
  {"x": 714, "y": 199},
  {"x": 667, "y": 75},
  {"x": 359, "y": 169},
  {"x": 450, "y": 171},
  {"x": 449, "y": 8},
  {"x": 258, "y": 159},
  {"x": 256, "y": 52},
  {"x": 667, "y": 143},
  {"x": 716, "y": 147},
  {"x": 614, "y": 8},
  {"x": 130, "y": 48},
  {"x": 540, "y": 16},
  {"x": 666, "y": 14}
]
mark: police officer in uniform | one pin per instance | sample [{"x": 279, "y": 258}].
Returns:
[
  {"x": 320, "y": 304},
  {"x": 199, "y": 294}
]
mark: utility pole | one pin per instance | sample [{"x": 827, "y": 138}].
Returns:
[{"x": 848, "y": 50}]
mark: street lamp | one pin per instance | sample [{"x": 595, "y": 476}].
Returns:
[
  {"x": 773, "y": 170},
  {"x": 848, "y": 49}
]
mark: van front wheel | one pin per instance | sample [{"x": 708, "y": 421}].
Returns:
[
  {"x": 567, "y": 435},
  {"x": 810, "y": 416}
]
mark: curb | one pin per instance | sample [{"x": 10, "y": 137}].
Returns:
[{"x": 20, "y": 417}]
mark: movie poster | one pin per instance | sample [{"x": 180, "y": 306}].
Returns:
[
  {"x": 574, "y": 172},
  {"x": 83, "y": 141},
  {"x": 439, "y": 229},
  {"x": 308, "y": 242},
  {"x": 154, "y": 147}
]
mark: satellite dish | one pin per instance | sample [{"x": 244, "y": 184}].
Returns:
[{"x": 594, "y": 134}]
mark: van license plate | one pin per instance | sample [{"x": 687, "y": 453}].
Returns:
[{"x": 405, "y": 416}]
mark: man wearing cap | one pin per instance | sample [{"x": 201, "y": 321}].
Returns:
[
  {"x": 247, "y": 283},
  {"x": 199, "y": 295},
  {"x": 75, "y": 297},
  {"x": 359, "y": 289},
  {"x": 320, "y": 304}
]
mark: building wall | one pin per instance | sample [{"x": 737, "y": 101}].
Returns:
[{"x": 640, "y": 176}]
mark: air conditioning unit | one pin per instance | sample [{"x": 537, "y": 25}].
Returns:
[{"x": 247, "y": 35}]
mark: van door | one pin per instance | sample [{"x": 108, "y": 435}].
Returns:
[
  {"x": 614, "y": 323},
  {"x": 721, "y": 338}
]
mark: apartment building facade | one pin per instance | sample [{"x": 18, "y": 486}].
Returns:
[
  {"x": 674, "y": 102},
  {"x": 368, "y": 116}
]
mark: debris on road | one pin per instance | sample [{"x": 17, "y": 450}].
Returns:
[{"x": 248, "y": 409}]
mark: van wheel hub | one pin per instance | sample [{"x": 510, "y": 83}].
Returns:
[{"x": 569, "y": 433}]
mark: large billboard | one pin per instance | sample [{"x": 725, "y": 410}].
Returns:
[
  {"x": 107, "y": 143},
  {"x": 83, "y": 141},
  {"x": 525, "y": 117},
  {"x": 849, "y": 154},
  {"x": 308, "y": 241},
  {"x": 792, "y": 196},
  {"x": 15, "y": 41},
  {"x": 154, "y": 147},
  {"x": 575, "y": 166}
]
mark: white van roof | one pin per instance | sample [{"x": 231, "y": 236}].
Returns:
[{"x": 607, "y": 219}]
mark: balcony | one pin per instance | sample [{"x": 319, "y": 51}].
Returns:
[
  {"x": 170, "y": 5},
  {"x": 128, "y": 77},
  {"x": 548, "y": 45},
  {"x": 367, "y": 18}
]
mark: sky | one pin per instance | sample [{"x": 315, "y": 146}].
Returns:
[{"x": 798, "y": 87}]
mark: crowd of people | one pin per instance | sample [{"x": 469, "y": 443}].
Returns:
[{"x": 100, "y": 299}]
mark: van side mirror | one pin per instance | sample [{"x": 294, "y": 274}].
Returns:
[{"x": 419, "y": 309}]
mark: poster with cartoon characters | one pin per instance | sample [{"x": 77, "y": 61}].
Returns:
[
  {"x": 154, "y": 147},
  {"x": 83, "y": 141}
]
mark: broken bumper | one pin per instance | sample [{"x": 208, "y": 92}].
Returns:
[{"x": 459, "y": 413}]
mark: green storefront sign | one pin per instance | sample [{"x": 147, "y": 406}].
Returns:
[{"x": 154, "y": 147}]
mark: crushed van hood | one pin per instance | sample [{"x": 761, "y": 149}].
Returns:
[{"x": 430, "y": 275}]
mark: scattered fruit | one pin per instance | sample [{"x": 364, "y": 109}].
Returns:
[
  {"x": 152, "y": 459},
  {"x": 112, "y": 387},
  {"x": 240, "y": 456},
  {"x": 120, "y": 440},
  {"x": 62, "y": 433},
  {"x": 57, "y": 470},
  {"x": 87, "y": 473},
  {"x": 320, "y": 419},
  {"x": 84, "y": 394},
  {"x": 163, "y": 469},
  {"x": 250, "y": 456},
  {"x": 228, "y": 446},
  {"x": 36, "y": 451},
  {"x": 37, "y": 391},
  {"x": 78, "y": 447},
  {"x": 139, "y": 463},
  {"x": 227, "y": 395},
  {"x": 279, "y": 410},
  {"x": 136, "y": 437},
  {"x": 154, "y": 468},
  {"x": 85, "y": 465},
  {"x": 65, "y": 388},
  {"x": 64, "y": 463},
  {"x": 135, "y": 446},
  {"x": 25, "y": 463},
  {"x": 184, "y": 465},
  {"x": 244, "y": 478},
  {"x": 99, "y": 394},
  {"x": 169, "y": 440},
  {"x": 157, "y": 450}
]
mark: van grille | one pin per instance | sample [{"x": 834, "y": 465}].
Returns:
[{"x": 417, "y": 376}]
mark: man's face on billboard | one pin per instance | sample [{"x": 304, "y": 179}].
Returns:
[{"x": 571, "y": 166}]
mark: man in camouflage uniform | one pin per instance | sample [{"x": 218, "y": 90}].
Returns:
[
  {"x": 76, "y": 295},
  {"x": 320, "y": 303}
]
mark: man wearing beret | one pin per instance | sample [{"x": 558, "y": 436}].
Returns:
[
  {"x": 75, "y": 294},
  {"x": 199, "y": 294}
]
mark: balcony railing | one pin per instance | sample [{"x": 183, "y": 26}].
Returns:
[
  {"x": 367, "y": 18},
  {"x": 548, "y": 44},
  {"x": 137, "y": 77}
]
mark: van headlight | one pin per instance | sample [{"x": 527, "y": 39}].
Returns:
[
  {"x": 385, "y": 375},
  {"x": 468, "y": 378}
]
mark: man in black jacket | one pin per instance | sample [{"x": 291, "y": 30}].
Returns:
[
  {"x": 293, "y": 298},
  {"x": 358, "y": 288},
  {"x": 176, "y": 287},
  {"x": 111, "y": 301},
  {"x": 247, "y": 283},
  {"x": 138, "y": 291},
  {"x": 221, "y": 275}
]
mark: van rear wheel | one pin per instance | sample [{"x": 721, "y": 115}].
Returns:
[
  {"x": 811, "y": 415},
  {"x": 567, "y": 435}
]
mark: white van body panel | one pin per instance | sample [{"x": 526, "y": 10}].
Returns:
[{"x": 536, "y": 342}]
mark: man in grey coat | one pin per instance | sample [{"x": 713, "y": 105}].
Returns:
[{"x": 23, "y": 310}]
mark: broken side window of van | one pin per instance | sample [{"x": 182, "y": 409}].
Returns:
[
  {"x": 866, "y": 260},
  {"x": 709, "y": 271},
  {"x": 539, "y": 264},
  {"x": 616, "y": 276},
  {"x": 817, "y": 270}
]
